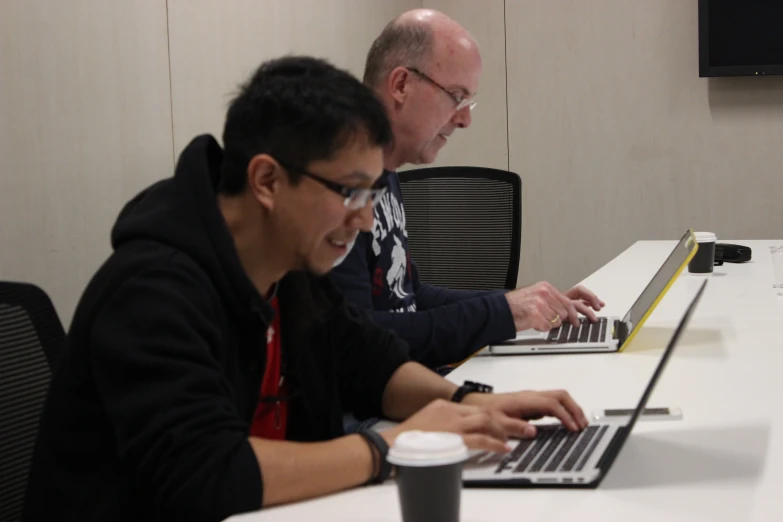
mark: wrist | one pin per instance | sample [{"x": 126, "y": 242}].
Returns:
[
  {"x": 372, "y": 463},
  {"x": 517, "y": 315}
]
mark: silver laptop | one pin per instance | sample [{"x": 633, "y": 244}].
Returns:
[
  {"x": 609, "y": 334},
  {"x": 557, "y": 457}
]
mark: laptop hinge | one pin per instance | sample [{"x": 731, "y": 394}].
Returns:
[{"x": 621, "y": 331}]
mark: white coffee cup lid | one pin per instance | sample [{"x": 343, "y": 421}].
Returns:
[
  {"x": 427, "y": 448},
  {"x": 705, "y": 237}
]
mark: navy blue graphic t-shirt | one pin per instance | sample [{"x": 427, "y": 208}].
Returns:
[{"x": 440, "y": 325}]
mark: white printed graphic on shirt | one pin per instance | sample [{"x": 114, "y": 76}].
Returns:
[
  {"x": 389, "y": 236},
  {"x": 388, "y": 215},
  {"x": 396, "y": 274}
]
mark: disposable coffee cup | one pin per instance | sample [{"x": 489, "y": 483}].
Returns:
[
  {"x": 704, "y": 260},
  {"x": 429, "y": 475}
]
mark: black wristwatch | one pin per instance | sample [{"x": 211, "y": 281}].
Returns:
[{"x": 470, "y": 387}]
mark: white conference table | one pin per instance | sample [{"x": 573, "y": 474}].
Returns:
[{"x": 722, "y": 462}]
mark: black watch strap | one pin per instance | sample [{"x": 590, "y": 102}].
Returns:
[
  {"x": 382, "y": 468},
  {"x": 470, "y": 387}
]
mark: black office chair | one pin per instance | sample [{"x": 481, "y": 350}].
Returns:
[
  {"x": 31, "y": 339},
  {"x": 464, "y": 225}
]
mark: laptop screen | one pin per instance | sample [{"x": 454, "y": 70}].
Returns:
[
  {"x": 623, "y": 436},
  {"x": 666, "y": 274}
]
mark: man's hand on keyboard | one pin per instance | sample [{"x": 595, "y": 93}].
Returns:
[
  {"x": 487, "y": 420},
  {"x": 481, "y": 428},
  {"x": 584, "y": 299},
  {"x": 542, "y": 306},
  {"x": 533, "y": 405}
]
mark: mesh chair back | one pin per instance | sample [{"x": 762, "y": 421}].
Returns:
[
  {"x": 31, "y": 337},
  {"x": 464, "y": 225}
]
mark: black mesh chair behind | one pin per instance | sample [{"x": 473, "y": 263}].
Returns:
[
  {"x": 464, "y": 225},
  {"x": 31, "y": 338}
]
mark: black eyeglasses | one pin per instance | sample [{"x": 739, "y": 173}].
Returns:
[
  {"x": 354, "y": 197},
  {"x": 460, "y": 101}
]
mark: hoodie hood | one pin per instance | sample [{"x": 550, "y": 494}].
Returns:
[{"x": 182, "y": 212}]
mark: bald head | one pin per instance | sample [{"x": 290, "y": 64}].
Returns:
[
  {"x": 435, "y": 21},
  {"x": 417, "y": 38}
]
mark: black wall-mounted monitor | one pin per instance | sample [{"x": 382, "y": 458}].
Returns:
[{"x": 740, "y": 37}]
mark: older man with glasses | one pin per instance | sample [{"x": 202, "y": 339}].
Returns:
[{"x": 425, "y": 69}]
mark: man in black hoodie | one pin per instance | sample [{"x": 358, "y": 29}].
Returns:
[
  {"x": 425, "y": 68},
  {"x": 208, "y": 360}
]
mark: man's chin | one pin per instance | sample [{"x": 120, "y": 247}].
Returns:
[
  {"x": 317, "y": 268},
  {"x": 428, "y": 155}
]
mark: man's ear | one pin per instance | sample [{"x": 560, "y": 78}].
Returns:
[
  {"x": 264, "y": 177},
  {"x": 397, "y": 84}
]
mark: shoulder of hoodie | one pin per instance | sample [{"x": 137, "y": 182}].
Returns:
[{"x": 142, "y": 259}]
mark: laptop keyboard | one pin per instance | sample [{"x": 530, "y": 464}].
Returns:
[
  {"x": 586, "y": 332},
  {"x": 555, "y": 448}
]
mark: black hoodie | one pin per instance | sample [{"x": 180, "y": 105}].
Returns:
[{"x": 148, "y": 414}]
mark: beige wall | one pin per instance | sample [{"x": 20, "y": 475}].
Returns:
[
  {"x": 618, "y": 139},
  {"x": 85, "y": 122},
  {"x": 216, "y": 45},
  {"x": 86, "y": 95}
]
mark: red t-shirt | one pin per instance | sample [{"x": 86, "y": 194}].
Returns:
[{"x": 269, "y": 421}]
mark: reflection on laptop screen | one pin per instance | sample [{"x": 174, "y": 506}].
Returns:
[{"x": 660, "y": 280}]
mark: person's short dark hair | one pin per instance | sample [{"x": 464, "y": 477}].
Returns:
[
  {"x": 403, "y": 44},
  {"x": 297, "y": 109}
]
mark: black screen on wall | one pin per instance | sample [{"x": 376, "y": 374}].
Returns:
[{"x": 740, "y": 37}]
